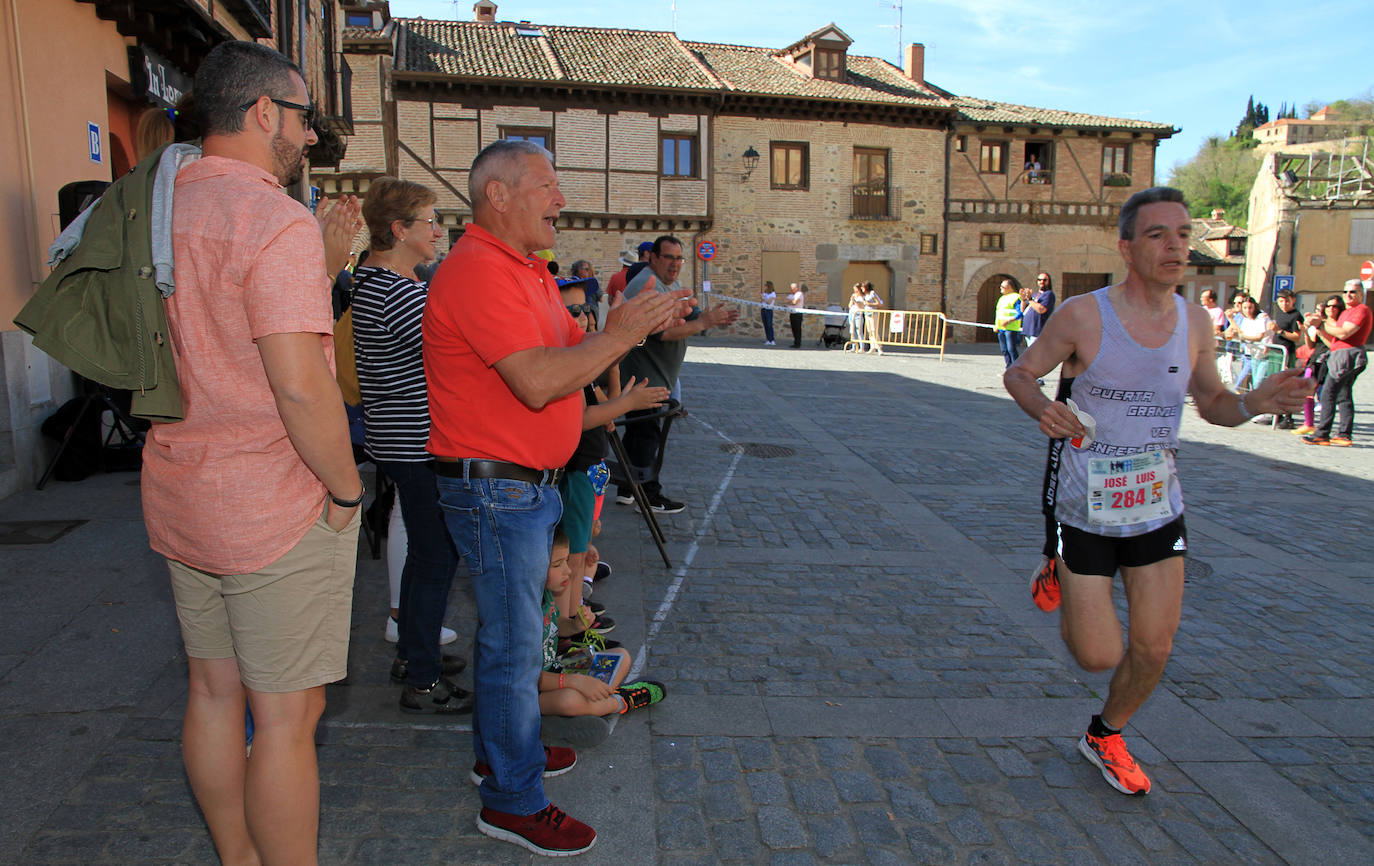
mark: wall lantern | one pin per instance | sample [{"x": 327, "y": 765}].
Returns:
[{"x": 751, "y": 162}]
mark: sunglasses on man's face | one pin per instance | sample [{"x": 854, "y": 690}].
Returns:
[{"x": 580, "y": 309}]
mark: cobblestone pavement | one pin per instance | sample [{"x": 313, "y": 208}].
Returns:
[{"x": 856, "y": 673}]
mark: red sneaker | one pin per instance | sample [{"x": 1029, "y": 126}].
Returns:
[
  {"x": 1117, "y": 766},
  {"x": 550, "y": 831},
  {"x": 1045, "y": 586},
  {"x": 557, "y": 761}
]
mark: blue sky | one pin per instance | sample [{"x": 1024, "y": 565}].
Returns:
[{"x": 1189, "y": 64}]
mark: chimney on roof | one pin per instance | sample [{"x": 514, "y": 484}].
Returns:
[
  {"x": 1218, "y": 213},
  {"x": 484, "y": 10},
  {"x": 915, "y": 66}
]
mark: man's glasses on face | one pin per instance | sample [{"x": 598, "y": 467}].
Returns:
[
  {"x": 309, "y": 111},
  {"x": 580, "y": 309},
  {"x": 671, "y": 258}
]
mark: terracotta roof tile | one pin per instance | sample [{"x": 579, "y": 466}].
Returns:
[
  {"x": 659, "y": 60},
  {"x": 759, "y": 70},
  {"x": 988, "y": 111}
]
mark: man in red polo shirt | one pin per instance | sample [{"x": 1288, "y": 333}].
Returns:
[
  {"x": 1344, "y": 365},
  {"x": 505, "y": 365}
]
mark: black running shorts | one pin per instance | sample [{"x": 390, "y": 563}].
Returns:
[{"x": 1086, "y": 553}]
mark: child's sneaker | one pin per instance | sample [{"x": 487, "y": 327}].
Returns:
[
  {"x": 557, "y": 761},
  {"x": 641, "y": 694},
  {"x": 1045, "y": 585},
  {"x": 550, "y": 831}
]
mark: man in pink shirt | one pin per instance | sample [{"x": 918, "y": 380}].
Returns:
[{"x": 253, "y": 497}]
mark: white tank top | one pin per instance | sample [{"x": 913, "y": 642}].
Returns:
[{"x": 1135, "y": 395}]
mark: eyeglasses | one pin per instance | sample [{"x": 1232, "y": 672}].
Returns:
[
  {"x": 432, "y": 222},
  {"x": 310, "y": 112},
  {"x": 1352, "y": 291},
  {"x": 581, "y": 309},
  {"x": 1333, "y": 306},
  {"x": 671, "y": 258}
]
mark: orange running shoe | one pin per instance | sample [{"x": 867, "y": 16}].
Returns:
[
  {"x": 1045, "y": 586},
  {"x": 1117, "y": 766}
]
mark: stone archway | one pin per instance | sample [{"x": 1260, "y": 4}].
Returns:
[{"x": 979, "y": 295}]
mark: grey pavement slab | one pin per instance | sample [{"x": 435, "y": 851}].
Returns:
[{"x": 855, "y": 671}]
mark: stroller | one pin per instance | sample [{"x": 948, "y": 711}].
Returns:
[{"x": 832, "y": 334}]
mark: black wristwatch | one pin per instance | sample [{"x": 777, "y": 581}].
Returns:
[{"x": 350, "y": 503}]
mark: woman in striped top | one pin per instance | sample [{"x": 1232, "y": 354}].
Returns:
[{"x": 388, "y": 305}]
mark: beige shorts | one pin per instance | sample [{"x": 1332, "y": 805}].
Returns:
[{"x": 287, "y": 623}]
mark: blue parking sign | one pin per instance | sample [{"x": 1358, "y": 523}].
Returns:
[
  {"x": 93, "y": 133},
  {"x": 1283, "y": 281}
]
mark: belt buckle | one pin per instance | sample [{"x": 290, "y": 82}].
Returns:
[{"x": 555, "y": 475}]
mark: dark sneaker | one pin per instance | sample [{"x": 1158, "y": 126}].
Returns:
[
  {"x": 550, "y": 831},
  {"x": 596, "y": 607},
  {"x": 641, "y": 694},
  {"x": 1284, "y": 423},
  {"x": 623, "y": 498},
  {"x": 603, "y": 570},
  {"x": 664, "y": 505},
  {"x": 557, "y": 761},
  {"x": 451, "y": 666},
  {"x": 590, "y": 639},
  {"x": 580, "y": 732},
  {"x": 1045, "y": 585},
  {"x": 1118, "y": 767},
  {"x": 1314, "y": 439},
  {"x": 443, "y": 698}
]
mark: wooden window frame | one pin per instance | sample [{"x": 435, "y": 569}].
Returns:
[
  {"x": 1046, "y": 146},
  {"x": 986, "y": 147},
  {"x": 1111, "y": 169},
  {"x": 695, "y": 171},
  {"x": 961, "y": 144},
  {"x": 803, "y": 149},
  {"x": 524, "y": 133},
  {"x": 992, "y": 242},
  {"x": 828, "y": 64},
  {"x": 930, "y": 244},
  {"x": 856, "y": 197}
]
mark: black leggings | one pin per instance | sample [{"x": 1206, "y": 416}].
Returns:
[{"x": 795, "y": 320}]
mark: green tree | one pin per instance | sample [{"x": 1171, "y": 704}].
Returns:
[{"x": 1219, "y": 176}]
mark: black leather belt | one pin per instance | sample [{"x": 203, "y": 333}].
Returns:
[{"x": 452, "y": 467}]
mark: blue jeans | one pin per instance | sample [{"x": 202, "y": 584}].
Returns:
[
  {"x": 767, "y": 316},
  {"x": 504, "y": 530},
  {"x": 430, "y": 562},
  {"x": 1010, "y": 344}
]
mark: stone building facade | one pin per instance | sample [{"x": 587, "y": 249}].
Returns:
[{"x": 807, "y": 163}]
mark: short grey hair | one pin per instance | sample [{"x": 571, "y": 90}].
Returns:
[
  {"x": 1353, "y": 285},
  {"x": 500, "y": 160},
  {"x": 1125, "y": 223}
]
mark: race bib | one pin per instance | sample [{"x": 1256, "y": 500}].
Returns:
[{"x": 1128, "y": 490}]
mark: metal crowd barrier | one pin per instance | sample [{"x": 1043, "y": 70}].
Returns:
[
  {"x": 910, "y": 328},
  {"x": 1243, "y": 366}
]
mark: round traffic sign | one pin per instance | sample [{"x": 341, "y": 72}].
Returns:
[
  {"x": 1367, "y": 271},
  {"x": 706, "y": 251}
]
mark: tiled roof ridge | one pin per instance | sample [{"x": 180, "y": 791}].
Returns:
[
  {"x": 977, "y": 102},
  {"x": 512, "y": 24},
  {"x": 554, "y": 63},
  {"x": 701, "y": 63}
]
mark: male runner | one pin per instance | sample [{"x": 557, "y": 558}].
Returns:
[{"x": 1129, "y": 352}]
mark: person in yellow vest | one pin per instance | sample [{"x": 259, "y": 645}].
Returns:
[{"x": 1007, "y": 322}]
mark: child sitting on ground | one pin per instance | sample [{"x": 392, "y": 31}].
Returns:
[
  {"x": 573, "y": 694},
  {"x": 581, "y": 624}
]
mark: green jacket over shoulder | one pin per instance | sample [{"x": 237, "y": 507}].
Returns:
[{"x": 100, "y": 312}]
